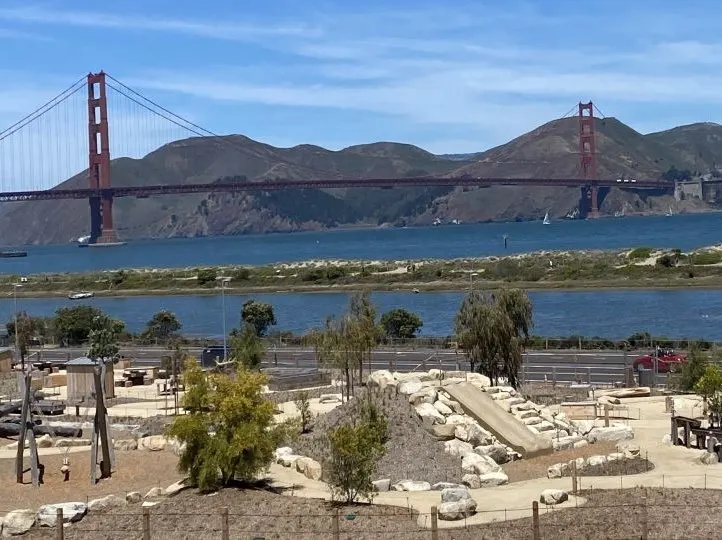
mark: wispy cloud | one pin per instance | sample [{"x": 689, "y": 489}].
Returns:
[{"x": 13, "y": 34}]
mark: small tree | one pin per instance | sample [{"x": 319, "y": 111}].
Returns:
[
  {"x": 103, "y": 338},
  {"x": 162, "y": 326},
  {"x": 691, "y": 371},
  {"x": 709, "y": 387},
  {"x": 246, "y": 348},
  {"x": 304, "y": 408},
  {"x": 355, "y": 452},
  {"x": 206, "y": 276},
  {"x": 259, "y": 315},
  {"x": 27, "y": 328},
  {"x": 241, "y": 419},
  {"x": 401, "y": 324},
  {"x": 73, "y": 325}
]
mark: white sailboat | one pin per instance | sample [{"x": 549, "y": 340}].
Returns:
[
  {"x": 669, "y": 212},
  {"x": 546, "y": 221}
]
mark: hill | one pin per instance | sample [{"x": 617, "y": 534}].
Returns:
[{"x": 548, "y": 151}]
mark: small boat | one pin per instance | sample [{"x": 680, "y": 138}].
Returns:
[
  {"x": 80, "y": 295},
  {"x": 13, "y": 253},
  {"x": 83, "y": 241},
  {"x": 546, "y": 221},
  {"x": 669, "y": 212}
]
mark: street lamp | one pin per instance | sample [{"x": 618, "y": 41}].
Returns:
[{"x": 224, "y": 280}]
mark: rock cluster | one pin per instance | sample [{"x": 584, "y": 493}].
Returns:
[
  {"x": 456, "y": 503},
  {"x": 308, "y": 467},
  {"x": 624, "y": 451}
]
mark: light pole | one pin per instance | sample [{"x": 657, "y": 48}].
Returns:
[
  {"x": 17, "y": 334},
  {"x": 224, "y": 280}
]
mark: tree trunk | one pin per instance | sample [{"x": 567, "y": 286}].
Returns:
[{"x": 13, "y": 430}]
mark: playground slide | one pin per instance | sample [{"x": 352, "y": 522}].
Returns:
[{"x": 500, "y": 423}]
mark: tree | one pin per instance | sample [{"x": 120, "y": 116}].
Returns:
[
  {"x": 259, "y": 315},
  {"x": 73, "y": 325},
  {"x": 355, "y": 452},
  {"x": 692, "y": 370},
  {"x": 491, "y": 330},
  {"x": 162, "y": 326},
  {"x": 334, "y": 349},
  {"x": 246, "y": 349},
  {"x": 709, "y": 387},
  {"x": 362, "y": 329},
  {"x": 304, "y": 408},
  {"x": 206, "y": 276},
  {"x": 103, "y": 338},
  {"x": 27, "y": 328},
  {"x": 241, "y": 419},
  {"x": 401, "y": 323}
]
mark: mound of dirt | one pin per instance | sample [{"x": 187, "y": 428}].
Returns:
[{"x": 411, "y": 451}]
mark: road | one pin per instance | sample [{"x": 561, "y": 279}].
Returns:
[{"x": 599, "y": 367}]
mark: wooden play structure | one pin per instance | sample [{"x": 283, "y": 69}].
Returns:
[
  {"x": 100, "y": 439},
  {"x": 705, "y": 438}
]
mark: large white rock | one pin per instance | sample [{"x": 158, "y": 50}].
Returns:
[
  {"x": 708, "y": 458},
  {"x": 611, "y": 433},
  {"x": 596, "y": 460},
  {"x": 453, "y": 405},
  {"x": 380, "y": 379},
  {"x": 478, "y": 380},
  {"x": 412, "y": 485},
  {"x": 458, "y": 448},
  {"x": 122, "y": 444},
  {"x": 330, "y": 398},
  {"x": 428, "y": 413},
  {"x": 425, "y": 395},
  {"x": 459, "y": 420},
  {"x": 282, "y": 451},
  {"x": 410, "y": 386},
  {"x": 471, "y": 480},
  {"x": 66, "y": 443},
  {"x": 72, "y": 511},
  {"x": 440, "y": 486},
  {"x": 154, "y": 493},
  {"x": 310, "y": 468},
  {"x": 451, "y": 511},
  {"x": 18, "y": 522},
  {"x": 497, "y": 452},
  {"x": 492, "y": 479},
  {"x": 176, "y": 488},
  {"x": 444, "y": 432},
  {"x": 44, "y": 441},
  {"x": 555, "y": 471},
  {"x": 382, "y": 485},
  {"x": 288, "y": 460},
  {"x": 154, "y": 443},
  {"x": 615, "y": 456},
  {"x": 455, "y": 494},
  {"x": 630, "y": 450},
  {"x": 104, "y": 503},
  {"x": 474, "y": 434},
  {"x": 553, "y": 496},
  {"x": 476, "y": 464},
  {"x": 133, "y": 497},
  {"x": 443, "y": 408}
]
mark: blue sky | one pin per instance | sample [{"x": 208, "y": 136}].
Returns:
[{"x": 455, "y": 76}]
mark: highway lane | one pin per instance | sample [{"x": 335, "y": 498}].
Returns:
[{"x": 598, "y": 367}]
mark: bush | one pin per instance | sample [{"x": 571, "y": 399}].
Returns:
[
  {"x": 207, "y": 276},
  {"x": 640, "y": 253},
  {"x": 706, "y": 257}
]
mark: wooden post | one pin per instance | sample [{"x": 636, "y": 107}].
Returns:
[
  {"x": 434, "y": 523},
  {"x": 335, "y": 526},
  {"x": 574, "y": 477},
  {"x": 536, "y": 535},
  {"x": 146, "y": 523},
  {"x": 225, "y": 533},
  {"x": 59, "y": 524},
  {"x": 26, "y": 434},
  {"x": 606, "y": 415},
  {"x": 644, "y": 520},
  {"x": 101, "y": 433},
  {"x": 554, "y": 375}
]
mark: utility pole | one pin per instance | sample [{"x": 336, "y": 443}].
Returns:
[{"x": 224, "y": 280}]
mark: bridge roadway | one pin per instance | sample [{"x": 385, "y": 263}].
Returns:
[
  {"x": 599, "y": 367},
  {"x": 230, "y": 185}
]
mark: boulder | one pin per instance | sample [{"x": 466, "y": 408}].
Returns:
[
  {"x": 709, "y": 458},
  {"x": 455, "y": 406},
  {"x": 493, "y": 479},
  {"x": 581, "y": 444},
  {"x": 459, "y": 420},
  {"x": 629, "y": 450},
  {"x": 555, "y": 471},
  {"x": 580, "y": 463},
  {"x": 125, "y": 444},
  {"x": 445, "y": 432},
  {"x": 458, "y": 448},
  {"x": 443, "y": 408},
  {"x": 454, "y": 494},
  {"x": 109, "y": 501},
  {"x": 451, "y": 511},
  {"x": 474, "y": 434},
  {"x": 66, "y": 443},
  {"x": 44, "y": 441},
  {"x": 596, "y": 460},
  {"x": 330, "y": 398},
  {"x": 133, "y": 497},
  {"x": 427, "y": 413},
  {"x": 615, "y": 456},
  {"x": 382, "y": 485},
  {"x": 611, "y": 433},
  {"x": 497, "y": 452},
  {"x": 425, "y": 395},
  {"x": 440, "y": 486},
  {"x": 531, "y": 420},
  {"x": 436, "y": 374},
  {"x": 412, "y": 485},
  {"x": 553, "y": 496},
  {"x": 564, "y": 443},
  {"x": 154, "y": 443},
  {"x": 310, "y": 468},
  {"x": 176, "y": 488},
  {"x": 379, "y": 379},
  {"x": 47, "y": 515},
  {"x": 498, "y": 396},
  {"x": 478, "y": 380},
  {"x": 476, "y": 464},
  {"x": 288, "y": 460},
  {"x": 410, "y": 386},
  {"x": 471, "y": 481},
  {"x": 18, "y": 522},
  {"x": 154, "y": 493},
  {"x": 667, "y": 439},
  {"x": 282, "y": 451},
  {"x": 524, "y": 414}
]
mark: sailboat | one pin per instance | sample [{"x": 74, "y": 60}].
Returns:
[
  {"x": 669, "y": 212},
  {"x": 546, "y": 221}
]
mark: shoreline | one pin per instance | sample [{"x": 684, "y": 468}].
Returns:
[{"x": 586, "y": 270}]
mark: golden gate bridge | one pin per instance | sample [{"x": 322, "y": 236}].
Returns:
[{"x": 53, "y": 144}]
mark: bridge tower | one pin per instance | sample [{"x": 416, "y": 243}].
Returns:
[
  {"x": 588, "y": 155},
  {"x": 101, "y": 204}
]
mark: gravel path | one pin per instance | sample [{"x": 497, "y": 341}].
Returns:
[{"x": 411, "y": 452}]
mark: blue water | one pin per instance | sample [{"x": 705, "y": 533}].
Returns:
[
  {"x": 474, "y": 240},
  {"x": 614, "y": 315}
]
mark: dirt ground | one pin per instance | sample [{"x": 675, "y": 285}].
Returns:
[
  {"x": 669, "y": 514},
  {"x": 527, "y": 469},
  {"x": 135, "y": 471}
]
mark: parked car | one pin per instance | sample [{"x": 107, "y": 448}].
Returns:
[{"x": 665, "y": 360}]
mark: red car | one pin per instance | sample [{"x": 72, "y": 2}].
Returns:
[{"x": 665, "y": 360}]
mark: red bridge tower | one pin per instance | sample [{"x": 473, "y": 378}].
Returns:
[
  {"x": 588, "y": 155},
  {"x": 101, "y": 204}
]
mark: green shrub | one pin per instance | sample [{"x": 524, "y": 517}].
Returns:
[{"x": 640, "y": 253}]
